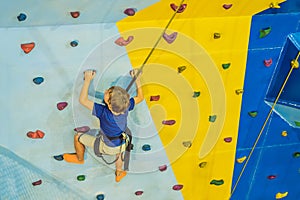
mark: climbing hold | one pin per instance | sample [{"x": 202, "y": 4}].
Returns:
[
  {"x": 227, "y": 6},
  {"x": 271, "y": 177},
  {"x": 61, "y": 105},
  {"x": 296, "y": 154},
  {"x": 226, "y": 65},
  {"x": 154, "y": 98},
  {"x": 21, "y": 17},
  {"x": 100, "y": 197},
  {"x": 264, "y": 32},
  {"x": 122, "y": 42},
  {"x": 75, "y": 14},
  {"x": 146, "y": 147},
  {"x": 181, "y": 69},
  {"x": 297, "y": 123},
  {"x": 39, "y": 182},
  {"x": 130, "y": 11},
  {"x": 27, "y": 47},
  {"x": 284, "y": 133},
  {"x": 138, "y": 193},
  {"x": 74, "y": 43},
  {"x": 177, "y": 187},
  {"x": 168, "y": 122},
  {"x": 187, "y": 144},
  {"x": 252, "y": 113},
  {"x": 295, "y": 64},
  {"x": 38, "y": 80},
  {"x": 196, "y": 94},
  {"x": 202, "y": 164},
  {"x": 239, "y": 91},
  {"x": 242, "y": 159},
  {"x": 38, "y": 134},
  {"x": 228, "y": 139},
  {"x": 59, "y": 157},
  {"x": 162, "y": 168},
  {"x": 217, "y": 35},
  {"x": 180, "y": 10},
  {"x": 82, "y": 129},
  {"x": 212, "y": 118},
  {"x": 170, "y": 38},
  {"x": 268, "y": 63},
  {"x": 217, "y": 182},
  {"x": 281, "y": 195},
  {"x": 81, "y": 177},
  {"x": 274, "y": 5}
]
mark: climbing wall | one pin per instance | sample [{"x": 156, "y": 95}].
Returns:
[{"x": 207, "y": 67}]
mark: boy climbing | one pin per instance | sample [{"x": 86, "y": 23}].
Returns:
[{"x": 113, "y": 122}]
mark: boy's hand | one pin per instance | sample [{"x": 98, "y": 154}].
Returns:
[
  {"x": 134, "y": 73},
  {"x": 89, "y": 75}
]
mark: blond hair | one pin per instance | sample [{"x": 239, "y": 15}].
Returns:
[{"x": 118, "y": 99}]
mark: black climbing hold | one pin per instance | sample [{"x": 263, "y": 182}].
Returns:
[
  {"x": 181, "y": 69},
  {"x": 239, "y": 91},
  {"x": 59, "y": 157},
  {"x": 202, "y": 164},
  {"x": 74, "y": 43},
  {"x": 38, "y": 80},
  {"x": 21, "y": 17},
  {"x": 196, "y": 94},
  {"x": 146, "y": 147},
  {"x": 226, "y": 65},
  {"x": 100, "y": 197},
  {"x": 187, "y": 144}
]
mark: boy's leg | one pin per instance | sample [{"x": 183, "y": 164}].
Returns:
[
  {"x": 119, "y": 172},
  {"x": 78, "y": 157}
]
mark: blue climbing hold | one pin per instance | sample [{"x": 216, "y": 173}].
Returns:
[
  {"x": 38, "y": 80},
  {"x": 100, "y": 197},
  {"x": 74, "y": 43},
  {"x": 146, "y": 147},
  {"x": 59, "y": 157},
  {"x": 212, "y": 118},
  {"x": 22, "y": 17}
]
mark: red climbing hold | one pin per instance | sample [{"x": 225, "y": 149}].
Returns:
[
  {"x": 180, "y": 10},
  {"x": 27, "y": 47},
  {"x": 122, "y": 42},
  {"x": 155, "y": 98},
  {"x": 38, "y": 134},
  {"x": 268, "y": 63},
  {"x": 227, "y": 6},
  {"x": 130, "y": 11},
  {"x": 162, "y": 168},
  {"x": 75, "y": 14},
  {"x": 138, "y": 193},
  {"x": 168, "y": 122},
  {"x": 271, "y": 177},
  {"x": 61, "y": 105},
  {"x": 177, "y": 187},
  {"x": 170, "y": 38},
  {"x": 228, "y": 139},
  {"x": 39, "y": 182}
]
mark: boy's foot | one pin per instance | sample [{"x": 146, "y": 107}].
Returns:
[
  {"x": 119, "y": 175},
  {"x": 72, "y": 158}
]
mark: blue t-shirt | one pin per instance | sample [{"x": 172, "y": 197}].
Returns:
[{"x": 110, "y": 124}]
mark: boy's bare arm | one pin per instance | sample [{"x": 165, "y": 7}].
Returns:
[
  {"x": 139, "y": 96},
  {"x": 83, "y": 98}
]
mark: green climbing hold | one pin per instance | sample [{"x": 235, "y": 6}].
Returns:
[
  {"x": 226, "y": 65},
  {"x": 187, "y": 144},
  {"x": 252, "y": 113},
  {"x": 264, "y": 32},
  {"x": 296, "y": 155},
  {"x": 202, "y": 164},
  {"x": 196, "y": 94},
  {"x": 212, "y": 118},
  {"x": 217, "y": 182},
  {"x": 297, "y": 123},
  {"x": 81, "y": 177},
  {"x": 181, "y": 69}
]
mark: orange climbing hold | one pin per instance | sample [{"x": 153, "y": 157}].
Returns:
[
  {"x": 27, "y": 47},
  {"x": 122, "y": 42}
]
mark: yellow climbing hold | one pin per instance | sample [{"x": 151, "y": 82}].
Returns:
[
  {"x": 281, "y": 195},
  {"x": 241, "y": 160},
  {"x": 274, "y": 5},
  {"x": 284, "y": 133}
]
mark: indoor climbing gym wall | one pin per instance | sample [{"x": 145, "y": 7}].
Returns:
[{"x": 220, "y": 116}]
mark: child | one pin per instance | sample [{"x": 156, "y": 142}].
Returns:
[{"x": 113, "y": 121}]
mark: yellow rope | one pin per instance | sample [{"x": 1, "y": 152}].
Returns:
[{"x": 294, "y": 64}]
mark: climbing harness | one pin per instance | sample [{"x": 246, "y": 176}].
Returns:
[
  {"x": 294, "y": 65},
  {"x": 153, "y": 48}
]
